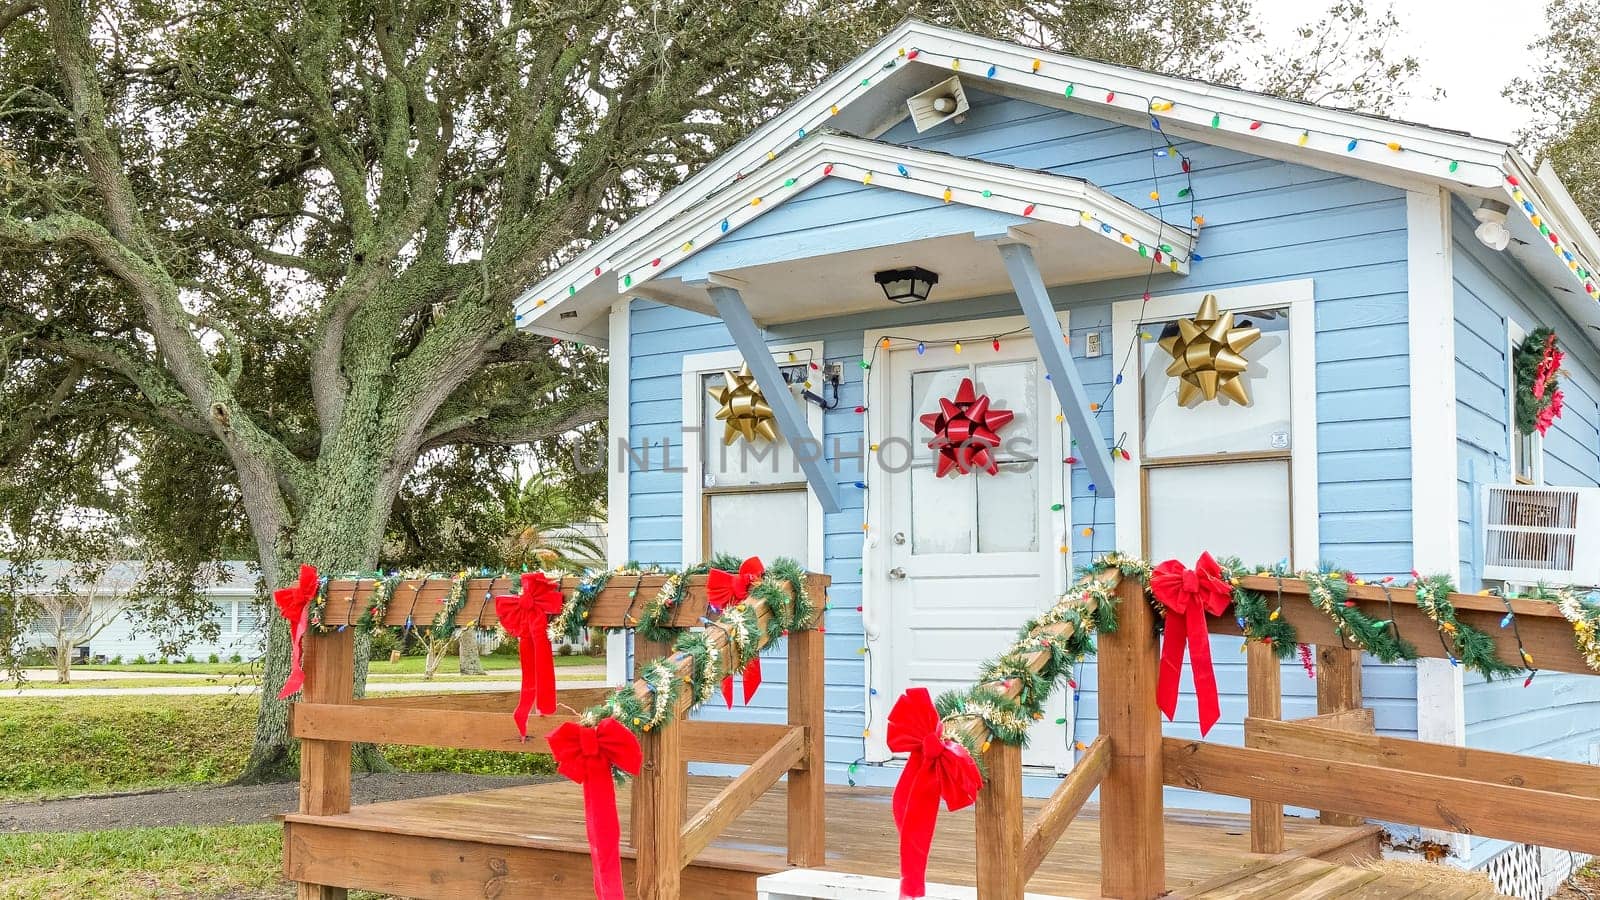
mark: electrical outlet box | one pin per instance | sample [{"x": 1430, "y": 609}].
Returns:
[
  {"x": 1091, "y": 344},
  {"x": 833, "y": 372}
]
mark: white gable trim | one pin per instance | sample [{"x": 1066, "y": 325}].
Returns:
[{"x": 1057, "y": 199}]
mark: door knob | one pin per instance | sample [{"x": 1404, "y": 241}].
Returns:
[
  {"x": 897, "y": 572},
  {"x": 899, "y": 537}
]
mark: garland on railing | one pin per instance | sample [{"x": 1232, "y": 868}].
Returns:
[{"x": 782, "y": 587}]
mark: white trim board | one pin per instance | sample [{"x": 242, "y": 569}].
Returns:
[
  {"x": 695, "y": 366},
  {"x": 617, "y": 533},
  {"x": 874, "y": 564},
  {"x": 1435, "y": 539},
  {"x": 1298, "y": 296}
]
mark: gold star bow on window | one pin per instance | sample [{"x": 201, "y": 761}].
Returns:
[
  {"x": 1208, "y": 355},
  {"x": 744, "y": 409}
]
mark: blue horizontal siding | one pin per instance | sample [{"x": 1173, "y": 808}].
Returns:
[
  {"x": 1556, "y": 716},
  {"x": 1266, "y": 221}
]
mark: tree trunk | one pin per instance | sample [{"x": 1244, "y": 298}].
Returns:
[
  {"x": 467, "y": 650},
  {"x": 340, "y": 533},
  {"x": 63, "y": 663},
  {"x": 436, "y": 649}
]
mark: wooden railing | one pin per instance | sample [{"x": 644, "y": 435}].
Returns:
[
  {"x": 328, "y": 719},
  {"x": 1332, "y": 762}
]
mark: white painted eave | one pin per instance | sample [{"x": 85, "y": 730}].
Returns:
[{"x": 859, "y": 99}]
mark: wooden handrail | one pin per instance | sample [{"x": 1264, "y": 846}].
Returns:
[
  {"x": 420, "y": 599},
  {"x": 787, "y": 753},
  {"x": 1545, "y": 633},
  {"x": 468, "y": 729},
  {"x": 1462, "y": 801},
  {"x": 1064, "y": 805}
]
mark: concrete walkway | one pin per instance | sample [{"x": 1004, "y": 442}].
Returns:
[{"x": 373, "y": 687}]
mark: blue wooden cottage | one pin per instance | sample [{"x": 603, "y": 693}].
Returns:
[{"x": 1219, "y": 321}]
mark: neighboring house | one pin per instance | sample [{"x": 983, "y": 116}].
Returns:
[
  {"x": 1073, "y": 212},
  {"x": 236, "y": 608}
]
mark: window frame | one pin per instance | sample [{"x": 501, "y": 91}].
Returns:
[
  {"x": 696, "y": 503},
  {"x": 1132, "y": 511}
]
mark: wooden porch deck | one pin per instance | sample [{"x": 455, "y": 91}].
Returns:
[{"x": 529, "y": 842}]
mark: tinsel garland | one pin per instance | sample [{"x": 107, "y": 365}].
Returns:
[
  {"x": 782, "y": 589},
  {"x": 1090, "y": 607},
  {"x": 1466, "y": 645},
  {"x": 1576, "y": 607}
]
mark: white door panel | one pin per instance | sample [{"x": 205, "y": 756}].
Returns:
[{"x": 972, "y": 557}]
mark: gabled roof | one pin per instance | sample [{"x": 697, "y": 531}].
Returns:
[{"x": 868, "y": 96}]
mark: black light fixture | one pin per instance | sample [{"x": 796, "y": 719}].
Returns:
[{"x": 907, "y": 285}]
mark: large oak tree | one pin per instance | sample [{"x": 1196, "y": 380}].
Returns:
[{"x": 258, "y": 258}]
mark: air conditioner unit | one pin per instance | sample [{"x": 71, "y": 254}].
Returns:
[{"x": 1538, "y": 533}]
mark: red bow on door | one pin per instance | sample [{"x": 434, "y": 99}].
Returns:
[
  {"x": 294, "y": 604},
  {"x": 937, "y": 768},
  {"x": 526, "y": 617},
  {"x": 1188, "y": 595},
  {"x": 586, "y": 756},
  {"x": 723, "y": 589}
]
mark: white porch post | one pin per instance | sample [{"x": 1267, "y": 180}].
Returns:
[
  {"x": 1028, "y": 284},
  {"x": 791, "y": 424}
]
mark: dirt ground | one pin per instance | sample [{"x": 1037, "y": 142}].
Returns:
[{"x": 226, "y": 805}]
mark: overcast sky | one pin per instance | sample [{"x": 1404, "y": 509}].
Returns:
[{"x": 1471, "y": 50}]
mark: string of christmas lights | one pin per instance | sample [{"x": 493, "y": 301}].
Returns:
[{"x": 1055, "y": 74}]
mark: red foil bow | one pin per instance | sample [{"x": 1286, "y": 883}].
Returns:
[
  {"x": 586, "y": 756},
  {"x": 526, "y": 617},
  {"x": 965, "y": 430},
  {"x": 294, "y": 603},
  {"x": 723, "y": 589},
  {"x": 1188, "y": 595},
  {"x": 937, "y": 768}
]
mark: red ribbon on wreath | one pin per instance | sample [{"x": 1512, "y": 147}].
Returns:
[
  {"x": 938, "y": 768},
  {"x": 586, "y": 755},
  {"x": 1188, "y": 595},
  {"x": 526, "y": 617},
  {"x": 723, "y": 589},
  {"x": 294, "y": 604}
]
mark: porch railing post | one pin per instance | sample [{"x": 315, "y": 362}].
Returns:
[
  {"x": 1338, "y": 690},
  {"x": 658, "y": 831},
  {"x": 807, "y": 823},
  {"x": 646, "y": 651},
  {"x": 1264, "y": 699},
  {"x": 1001, "y": 874},
  {"x": 325, "y": 765},
  {"x": 1132, "y": 850}
]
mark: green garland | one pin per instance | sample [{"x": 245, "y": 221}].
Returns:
[
  {"x": 1090, "y": 607},
  {"x": 1578, "y": 608},
  {"x": 1471, "y": 647},
  {"x": 782, "y": 588}
]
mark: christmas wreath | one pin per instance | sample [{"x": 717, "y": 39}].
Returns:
[{"x": 1537, "y": 363}]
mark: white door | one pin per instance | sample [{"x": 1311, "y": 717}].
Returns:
[{"x": 970, "y": 557}]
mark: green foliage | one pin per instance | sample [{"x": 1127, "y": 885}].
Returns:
[
  {"x": 468, "y": 762},
  {"x": 144, "y": 863},
  {"x": 91, "y": 744},
  {"x": 1525, "y": 364},
  {"x": 1562, "y": 87}
]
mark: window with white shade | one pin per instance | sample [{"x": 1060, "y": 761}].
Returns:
[
  {"x": 1218, "y": 466},
  {"x": 753, "y": 498}
]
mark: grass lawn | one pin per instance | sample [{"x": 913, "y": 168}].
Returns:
[
  {"x": 80, "y": 745},
  {"x": 408, "y": 665},
  {"x": 239, "y": 862}
]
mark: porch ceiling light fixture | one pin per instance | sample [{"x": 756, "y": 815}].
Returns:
[
  {"x": 1491, "y": 230},
  {"x": 907, "y": 285}
]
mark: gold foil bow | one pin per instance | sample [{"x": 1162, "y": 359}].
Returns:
[
  {"x": 744, "y": 409},
  {"x": 1208, "y": 355}
]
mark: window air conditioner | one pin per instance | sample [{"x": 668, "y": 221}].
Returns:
[{"x": 1538, "y": 533}]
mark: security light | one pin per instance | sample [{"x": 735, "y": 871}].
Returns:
[{"x": 1491, "y": 230}]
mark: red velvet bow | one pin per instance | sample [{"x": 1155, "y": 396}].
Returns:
[
  {"x": 723, "y": 589},
  {"x": 586, "y": 756},
  {"x": 1188, "y": 595},
  {"x": 526, "y": 617},
  {"x": 294, "y": 603},
  {"x": 937, "y": 768}
]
